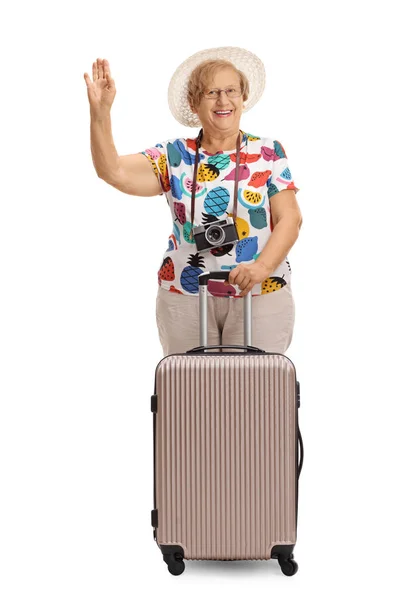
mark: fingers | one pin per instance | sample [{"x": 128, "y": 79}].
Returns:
[
  {"x": 245, "y": 284},
  {"x": 99, "y": 68},
  {"x": 233, "y": 275},
  {"x": 245, "y": 280},
  {"x": 239, "y": 278},
  {"x": 242, "y": 279},
  {"x": 106, "y": 67},
  {"x": 247, "y": 289}
]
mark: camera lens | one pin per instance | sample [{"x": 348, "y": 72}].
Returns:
[{"x": 215, "y": 235}]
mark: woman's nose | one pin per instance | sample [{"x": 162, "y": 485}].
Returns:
[{"x": 222, "y": 99}]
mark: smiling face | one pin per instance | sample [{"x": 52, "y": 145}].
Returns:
[{"x": 209, "y": 109}]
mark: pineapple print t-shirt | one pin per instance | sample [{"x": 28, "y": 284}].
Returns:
[{"x": 263, "y": 172}]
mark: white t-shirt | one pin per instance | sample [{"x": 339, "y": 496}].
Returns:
[{"x": 263, "y": 172}]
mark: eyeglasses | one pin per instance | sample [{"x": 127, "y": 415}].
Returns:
[{"x": 231, "y": 92}]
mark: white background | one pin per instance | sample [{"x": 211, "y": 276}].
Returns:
[{"x": 79, "y": 260}]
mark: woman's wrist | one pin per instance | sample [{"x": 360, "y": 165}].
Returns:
[{"x": 262, "y": 262}]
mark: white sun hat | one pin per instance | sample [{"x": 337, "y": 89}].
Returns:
[{"x": 245, "y": 61}]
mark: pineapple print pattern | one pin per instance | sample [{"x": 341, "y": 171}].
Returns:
[
  {"x": 263, "y": 172},
  {"x": 217, "y": 201},
  {"x": 190, "y": 274},
  {"x": 207, "y": 173}
]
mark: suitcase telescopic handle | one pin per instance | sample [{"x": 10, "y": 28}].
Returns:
[{"x": 203, "y": 282}]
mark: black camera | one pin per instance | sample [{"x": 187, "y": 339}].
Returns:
[{"x": 216, "y": 234}]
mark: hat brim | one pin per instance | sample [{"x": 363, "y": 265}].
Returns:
[{"x": 245, "y": 61}]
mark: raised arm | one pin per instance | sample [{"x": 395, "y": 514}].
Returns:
[
  {"x": 132, "y": 174},
  {"x": 136, "y": 176}
]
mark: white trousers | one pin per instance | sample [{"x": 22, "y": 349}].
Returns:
[{"x": 178, "y": 324}]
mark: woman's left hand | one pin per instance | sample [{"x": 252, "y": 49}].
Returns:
[{"x": 246, "y": 276}]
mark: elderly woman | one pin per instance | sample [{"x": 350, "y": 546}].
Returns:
[{"x": 231, "y": 196}]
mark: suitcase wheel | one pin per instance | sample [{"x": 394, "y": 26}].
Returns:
[
  {"x": 175, "y": 563},
  {"x": 288, "y": 566},
  {"x": 173, "y": 556}
]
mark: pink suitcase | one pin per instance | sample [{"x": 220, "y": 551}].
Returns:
[{"x": 227, "y": 451}]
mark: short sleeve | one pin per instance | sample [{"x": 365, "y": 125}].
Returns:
[
  {"x": 281, "y": 177},
  {"x": 158, "y": 157}
]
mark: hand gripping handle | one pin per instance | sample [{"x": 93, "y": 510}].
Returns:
[{"x": 203, "y": 282}]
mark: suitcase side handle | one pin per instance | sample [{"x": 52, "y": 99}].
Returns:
[
  {"x": 203, "y": 282},
  {"x": 247, "y": 348},
  {"x": 301, "y": 447}
]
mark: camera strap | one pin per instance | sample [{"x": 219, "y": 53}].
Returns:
[{"x": 196, "y": 163}]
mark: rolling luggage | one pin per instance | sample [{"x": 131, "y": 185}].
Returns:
[{"x": 227, "y": 451}]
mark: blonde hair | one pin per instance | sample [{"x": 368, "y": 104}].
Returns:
[{"x": 201, "y": 75}]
